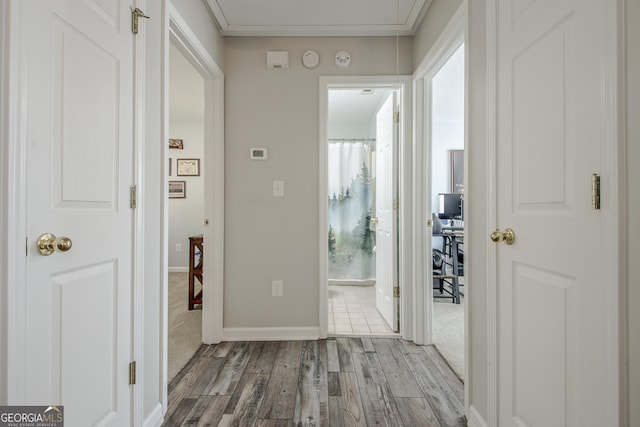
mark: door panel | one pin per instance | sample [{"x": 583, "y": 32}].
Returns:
[
  {"x": 75, "y": 184},
  {"x": 550, "y": 128},
  {"x": 79, "y": 92},
  {"x": 92, "y": 328},
  {"x": 543, "y": 60},
  {"x": 386, "y": 237}
]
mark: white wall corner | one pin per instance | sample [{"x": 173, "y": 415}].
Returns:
[{"x": 475, "y": 419}]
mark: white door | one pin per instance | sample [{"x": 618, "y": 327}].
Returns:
[
  {"x": 386, "y": 236},
  {"x": 79, "y": 168},
  {"x": 551, "y": 130}
]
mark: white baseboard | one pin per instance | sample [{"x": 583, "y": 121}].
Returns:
[
  {"x": 358, "y": 282},
  {"x": 178, "y": 269},
  {"x": 270, "y": 334},
  {"x": 155, "y": 418},
  {"x": 475, "y": 419}
]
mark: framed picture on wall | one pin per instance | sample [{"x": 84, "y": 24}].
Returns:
[
  {"x": 176, "y": 144},
  {"x": 177, "y": 189},
  {"x": 457, "y": 171},
  {"x": 188, "y": 167}
]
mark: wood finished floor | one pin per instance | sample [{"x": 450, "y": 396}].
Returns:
[{"x": 343, "y": 381}]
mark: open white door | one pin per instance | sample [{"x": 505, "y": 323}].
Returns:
[
  {"x": 79, "y": 92},
  {"x": 387, "y": 218},
  {"x": 554, "y": 296}
]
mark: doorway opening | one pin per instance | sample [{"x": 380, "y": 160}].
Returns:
[
  {"x": 185, "y": 209},
  {"x": 362, "y": 260},
  {"x": 211, "y": 169},
  {"x": 446, "y": 115},
  {"x": 356, "y": 302}
]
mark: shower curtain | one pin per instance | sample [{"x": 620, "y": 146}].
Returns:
[{"x": 351, "y": 196}]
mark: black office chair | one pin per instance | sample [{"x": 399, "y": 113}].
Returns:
[{"x": 439, "y": 267}]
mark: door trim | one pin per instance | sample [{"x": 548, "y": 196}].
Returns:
[
  {"x": 13, "y": 205},
  {"x": 179, "y": 32},
  {"x": 453, "y": 35},
  {"x": 405, "y": 224},
  {"x": 192, "y": 48}
]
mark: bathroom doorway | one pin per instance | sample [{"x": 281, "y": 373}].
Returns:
[{"x": 362, "y": 223}]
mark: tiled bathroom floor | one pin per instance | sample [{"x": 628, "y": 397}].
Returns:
[{"x": 352, "y": 311}]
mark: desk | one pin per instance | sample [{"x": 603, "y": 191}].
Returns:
[
  {"x": 196, "y": 248},
  {"x": 455, "y": 236}
]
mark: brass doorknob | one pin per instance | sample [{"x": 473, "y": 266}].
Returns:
[
  {"x": 508, "y": 236},
  {"x": 48, "y": 243}
]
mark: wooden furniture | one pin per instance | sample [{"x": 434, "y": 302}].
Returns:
[{"x": 196, "y": 248}]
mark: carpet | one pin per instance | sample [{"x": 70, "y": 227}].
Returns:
[
  {"x": 185, "y": 326},
  {"x": 448, "y": 332}
]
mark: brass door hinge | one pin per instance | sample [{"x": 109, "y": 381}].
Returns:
[
  {"x": 595, "y": 191},
  {"x": 396, "y": 291},
  {"x": 132, "y": 373},
  {"x": 396, "y": 204},
  {"x": 135, "y": 15},
  {"x": 396, "y": 117},
  {"x": 133, "y": 196}
]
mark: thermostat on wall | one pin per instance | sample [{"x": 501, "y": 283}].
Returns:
[{"x": 258, "y": 154}]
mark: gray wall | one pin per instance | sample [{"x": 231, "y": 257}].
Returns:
[
  {"x": 633, "y": 200},
  {"x": 186, "y": 122},
  {"x": 268, "y": 238},
  {"x": 436, "y": 18},
  {"x": 185, "y": 215}
]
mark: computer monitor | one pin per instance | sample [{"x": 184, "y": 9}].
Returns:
[{"x": 449, "y": 205}]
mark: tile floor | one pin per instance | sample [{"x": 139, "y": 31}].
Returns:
[{"x": 352, "y": 311}]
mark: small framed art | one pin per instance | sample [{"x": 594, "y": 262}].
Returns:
[
  {"x": 188, "y": 167},
  {"x": 176, "y": 144},
  {"x": 177, "y": 189}
]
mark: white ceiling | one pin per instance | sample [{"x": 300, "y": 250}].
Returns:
[
  {"x": 351, "y": 107},
  {"x": 300, "y": 18}
]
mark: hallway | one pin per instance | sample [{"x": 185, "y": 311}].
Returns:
[{"x": 333, "y": 382}]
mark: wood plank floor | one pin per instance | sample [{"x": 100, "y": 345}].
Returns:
[{"x": 334, "y": 382}]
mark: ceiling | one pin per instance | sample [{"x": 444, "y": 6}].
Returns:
[
  {"x": 303, "y": 18},
  {"x": 351, "y": 107}
]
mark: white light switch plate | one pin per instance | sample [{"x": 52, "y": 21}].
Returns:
[
  {"x": 277, "y": 288},
  {"x": 278, "y": 188}
]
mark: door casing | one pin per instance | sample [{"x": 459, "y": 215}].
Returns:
[{"x": 453, "y": 35}]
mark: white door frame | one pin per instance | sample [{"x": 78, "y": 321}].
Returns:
[
  {"x": 192, "y": 48},
  {"x": 13, "y": 207},
  {"x": 405, "y": 226},
  {"x": 453, "y": 35}
]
